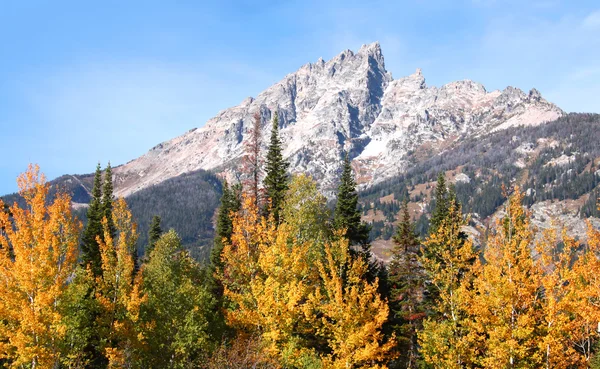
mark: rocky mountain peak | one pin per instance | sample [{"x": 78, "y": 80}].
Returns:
[{"x": 347, "y": 104}]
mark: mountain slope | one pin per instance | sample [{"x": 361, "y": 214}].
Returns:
[{"x": 349, "y": 103}]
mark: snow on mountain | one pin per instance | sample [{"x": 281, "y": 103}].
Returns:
[{"x": 347, "y": 104}]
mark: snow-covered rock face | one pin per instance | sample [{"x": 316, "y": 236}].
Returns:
[{"x": 349, "y": 103}]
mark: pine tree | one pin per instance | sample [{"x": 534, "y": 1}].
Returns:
[
  {"x": 153, "y": 234},
  {"x": 406, "y": 280},
  {"x": 90, "y": 252},
  {"x": 441, "y": 204},
  {"x": 276, "y": 179},
  {"x": 347, "y": 215},
  {"x": 230, "y": 204},
  {"x": 107, "y": 199}
]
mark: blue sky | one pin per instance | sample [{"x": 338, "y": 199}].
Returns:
[{"x": 83, "y": 82}]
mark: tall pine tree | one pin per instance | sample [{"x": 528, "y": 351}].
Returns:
[
  {"x": 440, "y": 210},
  {"x": 107, "y": 199},
  {"x": 276, "y": 179},
  {"x": 347, "y": 215},
  {"x": 90, "y": 251},
  {"x": 406, "y": 281},
  {"x": 153, "y": 234}
]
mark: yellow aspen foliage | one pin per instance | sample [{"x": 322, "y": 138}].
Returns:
[
  {"x": 38, "y": 254},
  {"x": 281, "y": 285},
  {"x": 447, "y": 261},
  {"x": 348, "y": 312},
  {"x": 585, "y": 328},
  {"x": 118, "y": 287},
  {"x": 265, "y": 280},
  {"x": 507, "y": 300}
]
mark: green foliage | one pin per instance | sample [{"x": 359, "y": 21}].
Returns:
[
  {"x": 276, "y": 178},
  {"x": 406, "y": 281},
  {"x": 186, "y": 204},
  {"x": 90, "y": 252},
  {"x": 80, "y": 310},
  {"x": 347, "y": 214},
  {"x": 154, "y": 233},
  {"x": 440, "y": 207},
  {"x": 107, "y": 199},
  {"x": 177, "y": 314}
]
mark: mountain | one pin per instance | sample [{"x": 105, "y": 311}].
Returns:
[
  {"x": 349, "y": 103},
  {"x": 399, "y": 133}
]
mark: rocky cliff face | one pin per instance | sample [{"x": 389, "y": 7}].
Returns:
[{"x": 347, "y": 104}]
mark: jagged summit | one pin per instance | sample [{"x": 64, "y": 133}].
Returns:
[{"x": 349, "y": 103}]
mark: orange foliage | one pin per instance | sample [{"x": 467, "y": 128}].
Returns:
[{"x": 38, "y": 254}]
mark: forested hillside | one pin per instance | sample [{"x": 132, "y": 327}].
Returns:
[
  {"x": 556, "y": 161},
  {"x": 186, "y": 204}
]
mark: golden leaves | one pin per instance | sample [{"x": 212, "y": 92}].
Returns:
[{"x": 38, "y": 254}]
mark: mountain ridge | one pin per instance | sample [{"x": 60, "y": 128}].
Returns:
[{"x": 351, "y": 104}]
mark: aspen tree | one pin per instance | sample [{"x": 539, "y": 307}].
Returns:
[{"x": 38, "y": 254}]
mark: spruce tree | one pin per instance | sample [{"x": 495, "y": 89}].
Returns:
[
  {"x": 347, "y": 215},
  {"x": 107, "y": 199},
  {"x": 90, "y": 251},
  {"x": 406, "y": 281},
  {"x": 441, "y": 204},
  {"x": 276, "y": 179},
  {"x": 153, "y": 234},
  {"x": 230, "y": 203}
]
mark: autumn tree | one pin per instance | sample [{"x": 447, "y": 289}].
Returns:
[
  {"x": 506, "y": 305},
  {"x": 280, "y": 280},
  {"x": 118, "y": 287},
  {"x": 348, "y": 312},
  {"x": 276, "y": 178},
  {"x": 560, "y": 299},
  {"x": 586, "y": 298},
  {"x": 38, "y": 254},
  {"x": 263, "y": 282},
  {"x": 406, "y": 281},
  {"x": 176, "y": 312},
  {"x": 447, "y": 264}
]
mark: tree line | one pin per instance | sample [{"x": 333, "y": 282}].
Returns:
[{"x": 290, "y": 283}]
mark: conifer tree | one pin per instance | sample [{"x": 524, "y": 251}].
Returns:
[
  {"x": 406, "y": 280},
  {"x": 441, "y": 204},
  {"x": 276, "y": 179},
  {"x": 90, "y": 252},
  {"x": 230, "y": 204},
  {"x": 153, "y": 234},
  {"x": 347, "y": 215},
  {"x": 107, "y": 199}
]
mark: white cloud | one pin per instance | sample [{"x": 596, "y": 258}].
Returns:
[{"x": 592, "y": 21}]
